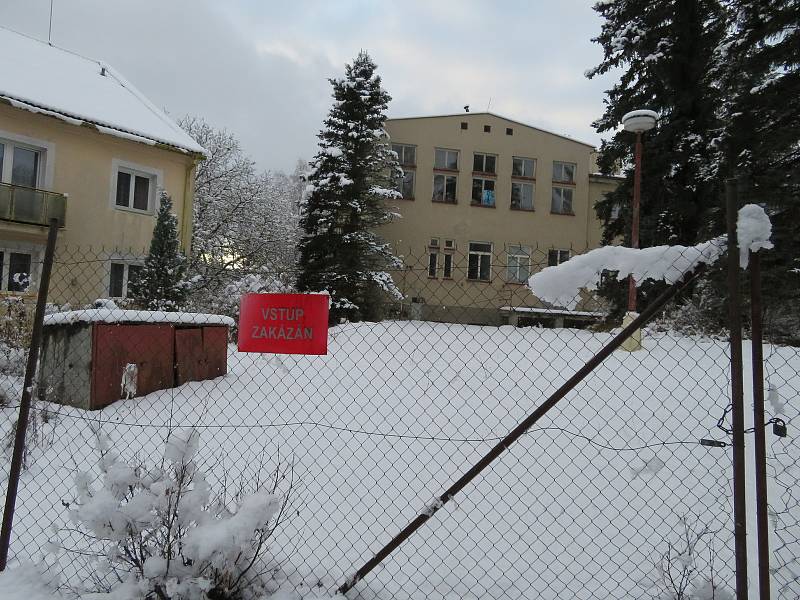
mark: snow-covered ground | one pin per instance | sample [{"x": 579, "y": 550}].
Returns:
[{"x": 582, "y": 507}]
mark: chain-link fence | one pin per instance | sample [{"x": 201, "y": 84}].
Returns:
[{"x": 610, "y": 495}]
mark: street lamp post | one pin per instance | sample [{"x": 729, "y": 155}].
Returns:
[{"x": 636, "y": 121}]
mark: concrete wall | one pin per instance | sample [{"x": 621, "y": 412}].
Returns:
[{"x": 65, "y": 366}]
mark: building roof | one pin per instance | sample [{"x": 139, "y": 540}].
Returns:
[
  {"x": 491, "y": 114},
  {"x": 42, "y": 78}
]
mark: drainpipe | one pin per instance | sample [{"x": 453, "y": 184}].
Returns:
[{"x": 188, "y": 203}]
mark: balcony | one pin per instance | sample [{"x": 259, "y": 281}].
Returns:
[{"x": 31, "y": 206}]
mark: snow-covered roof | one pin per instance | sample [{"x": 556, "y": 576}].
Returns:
[
  {"x": 467, "y": 115},
  {"x": 42, "y": 78},
  {"x": 118, "y": 315}
]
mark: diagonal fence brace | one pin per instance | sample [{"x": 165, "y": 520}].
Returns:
[{"x": 520, "y": 429}]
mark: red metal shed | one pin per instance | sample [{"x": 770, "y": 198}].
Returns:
[{"x": 91, "y": 358}]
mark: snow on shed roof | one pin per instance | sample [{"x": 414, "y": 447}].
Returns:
[
  {"x": 118, "y": 315},
  {"x": 51, "y": 80}
]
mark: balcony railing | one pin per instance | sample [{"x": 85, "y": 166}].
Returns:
[{"x": 32, "y": 206}]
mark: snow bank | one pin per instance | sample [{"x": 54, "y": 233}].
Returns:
[
  {"x": 118, "y": 315},
  {"x": 26, "y": 582},
  {"x": 753, "y": 230},
  {"x": 561, "y": 285}
]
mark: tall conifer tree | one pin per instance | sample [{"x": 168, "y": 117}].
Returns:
[
  {"x": 160, "y": 285},
  {"x": 350, "y": 179},
  {"x": 665, "y": 49},
  {"x": 759, "y": 66}
]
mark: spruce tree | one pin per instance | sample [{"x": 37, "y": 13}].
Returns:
[
  {"x": 160, "y": 284},
  {"x": 349, "y": 181},
  {"x": 759, "y": 65},
  {"x": 666, "y": 50}
]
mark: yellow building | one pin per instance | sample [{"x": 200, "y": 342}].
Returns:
[
  {"x": 488, "y": 201},
  {"x": 78, "y": 142}
]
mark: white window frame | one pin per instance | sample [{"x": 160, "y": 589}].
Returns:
[
  {"x": 36, "y": 253},
  {"x": 445, "y": 176},
  {"x": 447, "y": 152},
  {"x": 557, "y": 200},
  {"x": 401, "y": 183},
  {"x": 46, "y": 150},
  {"x": 524, "y": 159},
  {"x": 433, "y": 261},
  {"x": 533, "y": 195},
  {"x": 483, "y": 156},
  {"x": 521, "y": 257},
  {"x": 480, "y": 254},
  {"x": 156, "y": 177},
  {"x": 126, "y": 263},
  {"x": 558, "y": 169},
  {"x": 483, "y": 181},
  {"x": 447, "y": 266},
  {"x": 401, "y": 155},
  {"x": 559, "y": 256}
]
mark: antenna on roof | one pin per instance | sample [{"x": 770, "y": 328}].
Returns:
[
  {"x": 50, "y": 28},
  {"x": 489, "y": 104},
  {"x": 466, "y": 108}
]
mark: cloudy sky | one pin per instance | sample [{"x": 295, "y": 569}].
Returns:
[{"x": 259, "y": 67}]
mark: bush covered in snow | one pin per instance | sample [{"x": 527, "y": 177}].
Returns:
[{"x": 161, "y": 532}]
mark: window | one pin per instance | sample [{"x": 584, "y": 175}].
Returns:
[
  {"x": 135, "y": 190},
  {"x": 562, "y": 201},
  {"x": 484, "y": 163},
  {"x": 523, "y": 167},
  {"x": 483, "y": 192},
  {"x": 434, "y": 243},
  {"x": 509, "y": 131},
  {"x": 16, "y": 270},
  {"x": 433, "y": 264},
  {"x": 519, "y": 264},
  {"x": 122, "y": 274},
  {"x": 521, "y": 195},
  {"x": 405, "y": 185},
  {"x": 19, "y": 272},
  {"x": 20, "y": 164},
  {"x": 449, "y": 244},
  {"x": 464, "y": 125},
  {"x": 616, "y": 209},
  {"x": 487, "y": 129},
  {"x": 564, "y": 172},
  {"x": 555, "y": 257},
  {"x": 448, "y": 266},
  {"x": 406, "y": 155},
  {"x": 444, "y": 188},
  {"x": 446, "y": 159},
  {"x": 480, "y": 261}
]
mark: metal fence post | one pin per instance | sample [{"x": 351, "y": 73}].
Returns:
[
  {"x": 25, "y": 405},
  {"x": 759, "y": 425},
  {"x": 737, "y": 391}
]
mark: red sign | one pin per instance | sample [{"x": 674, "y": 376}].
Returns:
[{"x": 284, "y": 323}]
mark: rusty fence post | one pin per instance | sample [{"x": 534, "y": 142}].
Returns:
[
  {"x": 759, "y": 424},
  {"x": 25, "y": 405},
  {"x": 737, "y": 390}
]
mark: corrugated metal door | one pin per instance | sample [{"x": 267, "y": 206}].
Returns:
[
  {"x": 150, "y": 347},
  {"x": 189, "y": 355},
  {"x": 215, "y": 347}
]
